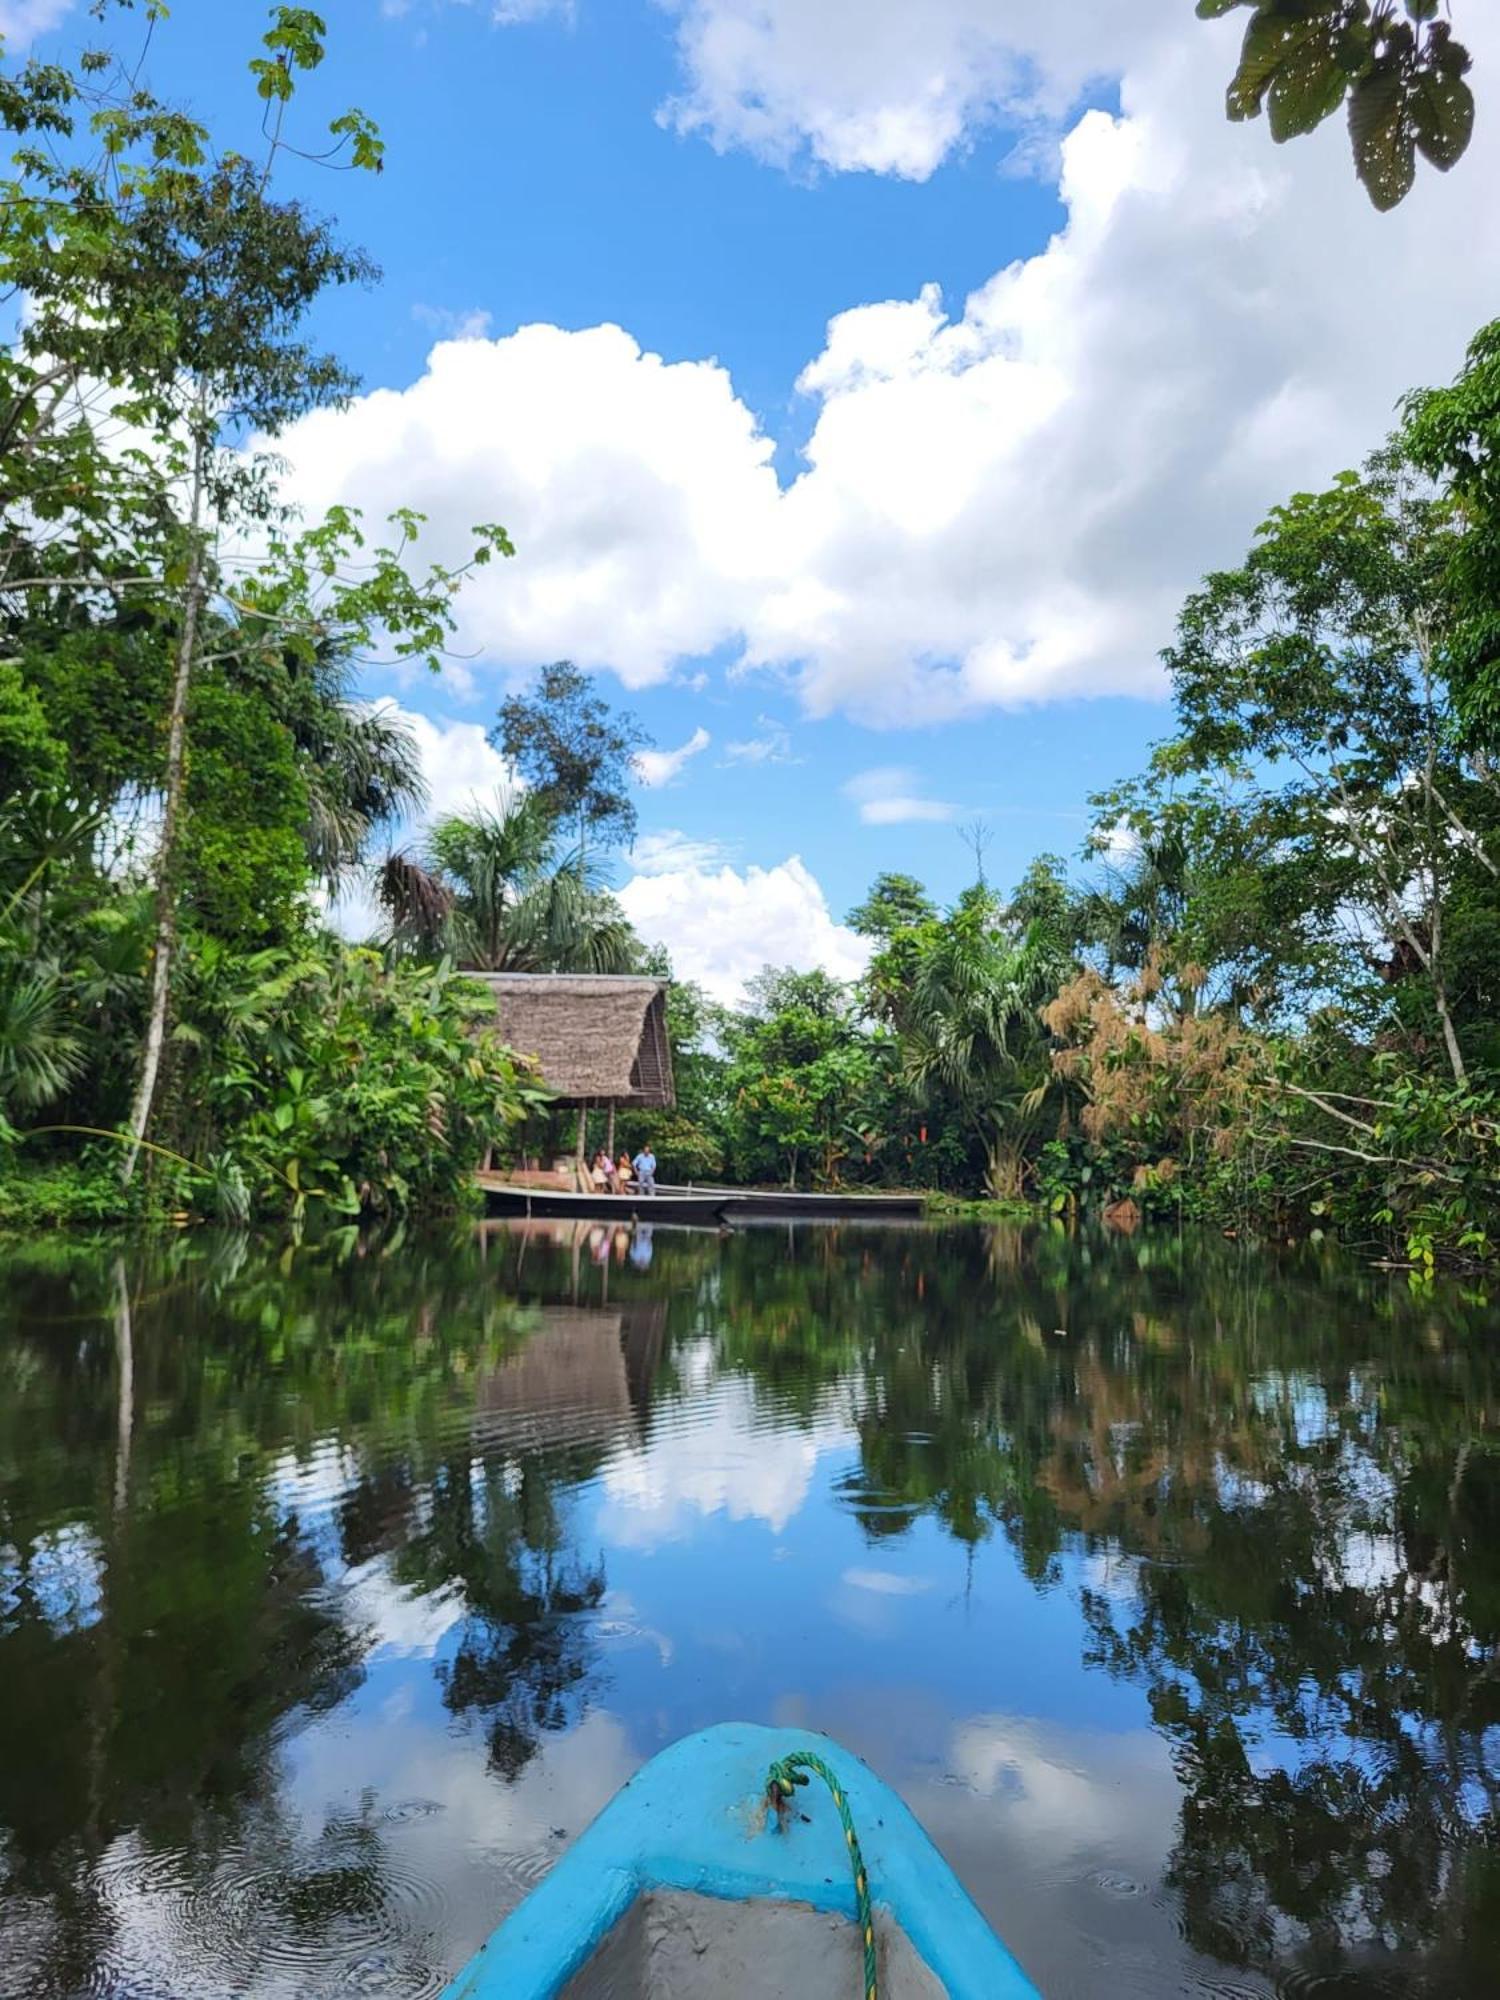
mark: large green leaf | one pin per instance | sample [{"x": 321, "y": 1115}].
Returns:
[
  {"x": 1272, "y": 40},
  {"x": 1442, "y": 117},
  {"x": 1385, "y": 154},
  {"x": 1307, "y": 88}
]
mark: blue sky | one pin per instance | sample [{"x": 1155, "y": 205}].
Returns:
[{"x": 863, "y": 386}]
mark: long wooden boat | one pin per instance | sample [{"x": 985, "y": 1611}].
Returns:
[
  {"x": 700, "y": 1206},
  {"x": 709, "y": 1875},
  {"x": 699, "y": 1210},
  {"x": 779, "y": 1203}
]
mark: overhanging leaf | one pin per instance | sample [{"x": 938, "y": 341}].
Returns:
[
  {"x": 1381, "y": 135},
  {"x": 1442, "y": 117},
  {"x": 1272, "y": 40},
  {"x": 1308, "y": 87}
]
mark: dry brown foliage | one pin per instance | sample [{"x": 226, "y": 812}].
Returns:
[{"x": 1139, "y": 1071}]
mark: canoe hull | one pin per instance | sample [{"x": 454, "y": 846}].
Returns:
[
  {"x": 697, "y": 1207},
  {"x": 695, "y": 1211},
  {"x": 692, "y": 1822}
]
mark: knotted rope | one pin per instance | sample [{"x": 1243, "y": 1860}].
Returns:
[{"x": 786, "y": 1774}]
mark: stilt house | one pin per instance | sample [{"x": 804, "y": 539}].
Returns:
[{"x": 599, "y": 1040}]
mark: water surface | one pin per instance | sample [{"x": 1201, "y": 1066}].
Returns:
[{"x": 341, "y": 1585}]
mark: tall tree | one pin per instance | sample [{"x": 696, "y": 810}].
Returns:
[
  {"x": 1453, "y": 435},
  {"x": 167, "y": 291},
  {"x": 895, "y": 902},
  {"x": 1313, "y": 673},
  {"x": 575, "y": 753}
]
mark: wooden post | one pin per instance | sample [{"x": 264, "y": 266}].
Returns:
[
  {"x": 609, "y": 1141},
  {"x": 583, "y": 1138}
]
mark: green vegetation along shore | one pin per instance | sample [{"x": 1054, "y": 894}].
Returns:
[{"x": 1265, "y": 996}]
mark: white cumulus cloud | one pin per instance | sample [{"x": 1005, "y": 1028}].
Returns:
[
  {"x": 462, "y": 767},
  {"x": 655, "y": 768},
  {"x": 891, "y": 795},
  {"x": 639, "y": 491},
  {"x": 721, "y": 926},
  {"x": 21, "y": 21},
  {"x": 1003, "y": 499},
  {"x": 882, "y": 85}
]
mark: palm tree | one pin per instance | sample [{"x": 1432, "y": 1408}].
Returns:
[
  {"x": 39, "y": 1054},
  {"x": 43, "y": 842},
  {"x": 492, "y": 890},
  {"x": 973, "y": 1025},
  {"x": 359, "y": 760},
  {"x": 1138, "y": 920},
  {"x": 363, "y": 772}
]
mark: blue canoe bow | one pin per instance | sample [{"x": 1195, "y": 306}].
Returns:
[{"x": 693, "y": 1820}]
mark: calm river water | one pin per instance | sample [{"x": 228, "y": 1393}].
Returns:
[{"x": 340, "y": 1586}]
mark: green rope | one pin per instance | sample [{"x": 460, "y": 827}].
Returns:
[{"x": 786, "y": 1774}]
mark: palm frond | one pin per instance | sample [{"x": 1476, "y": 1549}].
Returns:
[{"x": 39, "y": 1055}]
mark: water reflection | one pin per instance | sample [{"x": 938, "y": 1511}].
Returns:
[{"x": 339, "y": 1587}]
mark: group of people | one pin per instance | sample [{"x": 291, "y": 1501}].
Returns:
[{"x": 625, "y": 1176}]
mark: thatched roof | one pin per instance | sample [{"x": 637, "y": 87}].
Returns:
[{"x": 597, "y": 1039}]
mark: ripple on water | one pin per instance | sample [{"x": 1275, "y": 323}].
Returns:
[
  {"x": 615, "y": 1628},
  {"x": 322, "y": 1922},
  {"x": 517, "y": 1873},
  {"x": 1110, "y": 1882},
  {"x": 1348, "y": 1983},
  {"x": 405, "y": 1809}
]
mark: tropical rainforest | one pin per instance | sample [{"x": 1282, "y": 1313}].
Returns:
[{"x": 1265, "y": 996}]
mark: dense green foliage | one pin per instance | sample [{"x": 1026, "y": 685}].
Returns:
[
  {"x": 573, "y": 752},
  {"x": 183, "y": 763},
  {"x": 1270, "y": 998}
]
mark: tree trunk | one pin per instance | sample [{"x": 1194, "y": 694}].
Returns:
[
  {"x": 1004, "y": 1171},
  {"x": 125, "y": 1360},
  {"x": 1450, "y": 1033},
  {"x": 1437, "y": 850},
  {"x": 166, "y": 897}
]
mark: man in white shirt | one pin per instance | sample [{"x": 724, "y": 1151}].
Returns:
[{"x": 645, "y": 1169}]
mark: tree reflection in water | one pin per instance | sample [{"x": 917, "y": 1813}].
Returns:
[
  {"x": 168, "y": 1612},
  {"x": 1275, "y": 1487},
  {"x": 1294, "y": 1474}
]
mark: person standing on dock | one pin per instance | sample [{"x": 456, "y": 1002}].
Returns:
[{"x": 645, "y": 1169}]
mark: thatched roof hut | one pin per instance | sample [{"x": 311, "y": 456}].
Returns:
[{"x": 596, "y": 1038}]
